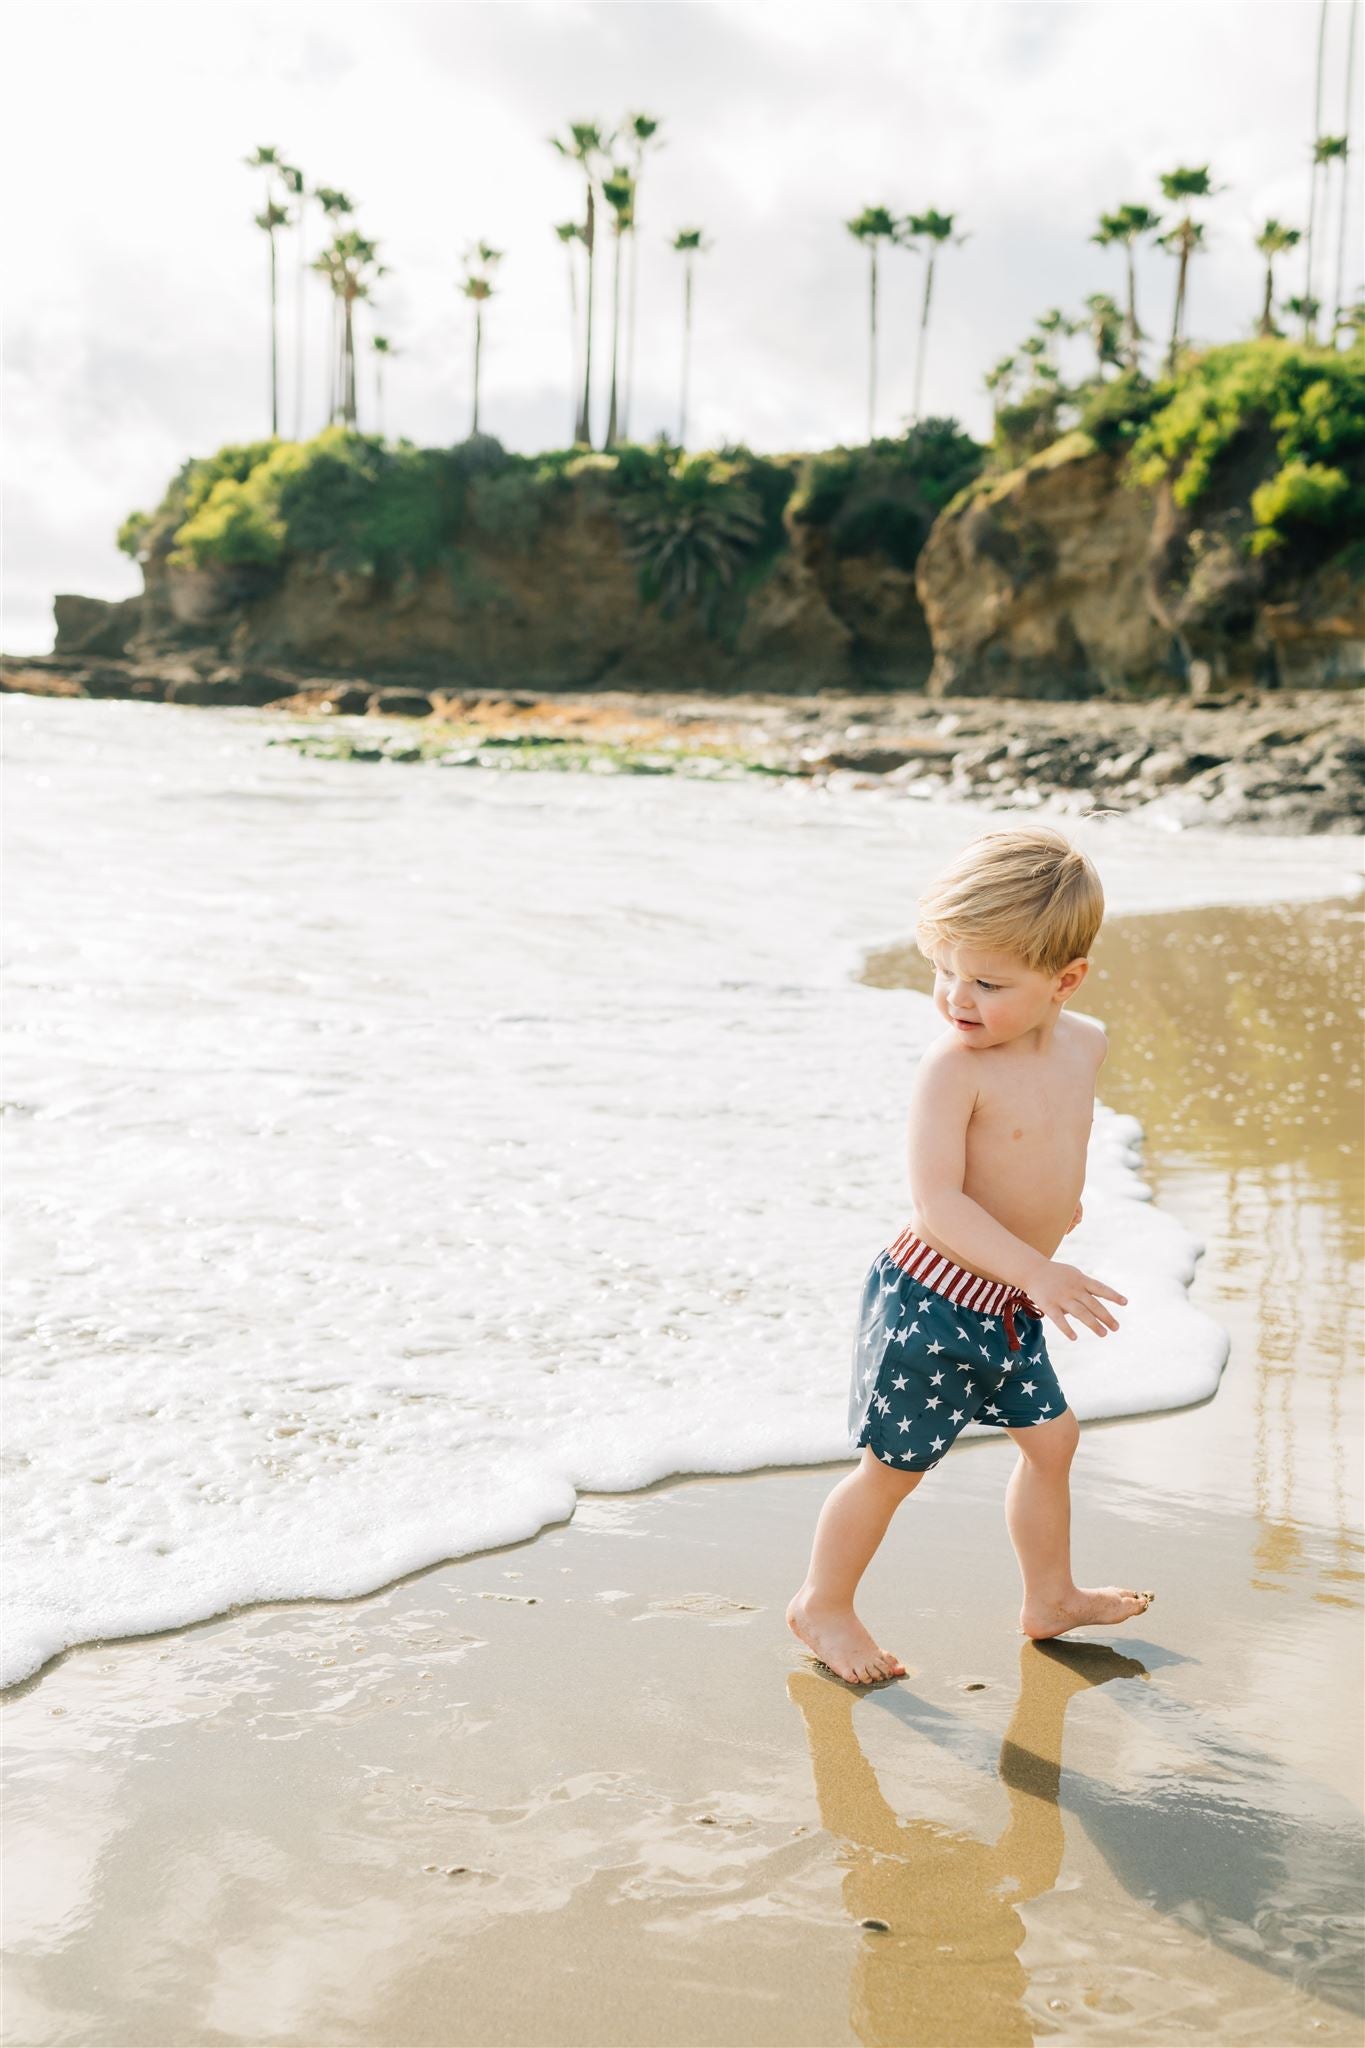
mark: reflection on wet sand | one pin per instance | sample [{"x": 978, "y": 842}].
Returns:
[
  {"x": 940, "y": 1961},
  {"x": 1255, "y": 1858}
]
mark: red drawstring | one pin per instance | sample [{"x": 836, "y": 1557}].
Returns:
[{"x": 1015, "y": 1342}]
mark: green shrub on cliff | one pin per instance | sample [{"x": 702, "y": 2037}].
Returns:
[
  {"x": 882, "y": 499},
  {"x": 1306, "y": 404},
  {"x": 690, "y": 530}
]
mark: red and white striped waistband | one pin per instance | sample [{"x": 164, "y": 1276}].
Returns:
[{"x": 959, "y": 1283}]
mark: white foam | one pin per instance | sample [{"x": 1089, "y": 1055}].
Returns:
[{"x": 397, "y": 1152}]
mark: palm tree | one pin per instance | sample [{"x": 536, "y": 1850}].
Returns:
[
  {"x": 1272, "y": 241},
  {"x": 479, "y": 262},
  {"x": 335, "y": 206},
  {"x": 689, "y": 244},
  {"x": 998, "y": 382},
  {"x": 873, "y": 225},
  {"x": 350, "y": 266},
  {"x": 584, "y": 145},
  {"x": 1123, "y": 228},
  {"x": 1339, "y": 295},
  {"x": 934, "y": 229},
  {"x": 1335, "y": 149},
  {"x": 570, "y": 232},
  {"x": 383, "y": 350},
  {"x": 1106, "y": 331},
  {"x": 1306, "y": 296},
  {"x": 1054, "y": 326},
  {"x": 639, "y": 132},
  {"x": 1185, "y": 183},
  {"x": 267, "y": 159},
  {"x": 298, "y": 192},
  {"x": 1304, "y": 309},
  {"x": 619, "y": 192}
]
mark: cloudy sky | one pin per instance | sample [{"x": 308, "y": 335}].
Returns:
[{"x": 135, "y": 283}]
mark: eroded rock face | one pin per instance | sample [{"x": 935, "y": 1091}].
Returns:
[
  {"x": 1063, "y": 579},
  {"x": 95, "y": 625},
  {"x": 1036, "y": 586}
]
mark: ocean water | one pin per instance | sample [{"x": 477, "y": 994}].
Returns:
[{"x": 395, "y": 1152}]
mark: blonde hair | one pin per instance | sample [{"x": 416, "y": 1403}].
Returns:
[{"x": 1024, "y": 888}]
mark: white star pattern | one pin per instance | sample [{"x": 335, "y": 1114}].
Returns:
[
  {"x": 1047, "y": 1408},
  {"x": 935, "y": 1347},
  {"x": 924, "y": 1308},
  {"x": 937, "y": 1444},
  {"x": 989, "y": 1323},
  {"x": 962, "y": 1333},
  {"x": 1027, "y": 1386},
  {"x": 900, "y": 1383},
  {"x": 933, "y": 1401},
  {"x": 904, "y": 1424},
  {"x": 937, "y": 1380},
  {"x": 958, "y": 1414},
  {"x": 983, "y": 1350},
  {"x": 991, "y": 1408},
  {"x": 913, "y": 1328},
  {"x": 907, "y": 1454}
]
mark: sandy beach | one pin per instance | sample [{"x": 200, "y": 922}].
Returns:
[{"x": 586, "y": 1788}]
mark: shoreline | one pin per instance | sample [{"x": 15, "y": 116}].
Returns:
[
  {"x": 585, "y": 1788},
  {"x": 1279, "y": 761}
]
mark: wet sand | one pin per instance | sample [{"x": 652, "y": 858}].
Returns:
[{"x": 588, "y": 1789}]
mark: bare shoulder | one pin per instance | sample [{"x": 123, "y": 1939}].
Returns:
[
  {"x": 949, "y": 1068},
  {"x": 1089, "y": 1034}
]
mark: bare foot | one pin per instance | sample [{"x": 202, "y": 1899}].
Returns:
[
  {"x": 1086, "y": 1606},
  {"x": 839, "y": 1640}
]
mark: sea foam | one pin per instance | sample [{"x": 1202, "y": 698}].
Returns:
[{"x": 396, "y": 1153}]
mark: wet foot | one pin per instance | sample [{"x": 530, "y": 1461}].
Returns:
[
  {"x": 839, "y": 1640},
  {"x": 1086, "y": 1607}
]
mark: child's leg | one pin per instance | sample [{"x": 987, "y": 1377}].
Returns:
[
  {"x": 852, "y": 1523},
  {"x": 1038, "y": 1516}
]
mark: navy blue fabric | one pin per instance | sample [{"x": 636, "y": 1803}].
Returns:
[{"x": 924, "y": 1367}]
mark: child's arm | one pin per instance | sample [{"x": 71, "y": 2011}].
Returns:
[{"x": 942, "y": 1098}]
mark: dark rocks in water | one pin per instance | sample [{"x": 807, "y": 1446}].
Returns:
[
  {"x": 400, "y": 704},
  {"x": 239, "y": 686}
]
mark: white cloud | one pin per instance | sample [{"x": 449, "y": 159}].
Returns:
[{"x": 136, "y": 325}]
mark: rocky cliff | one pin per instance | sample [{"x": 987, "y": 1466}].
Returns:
[
  {"x": 1066, "y": 579},
  {"x": 1061, "y": 578}
]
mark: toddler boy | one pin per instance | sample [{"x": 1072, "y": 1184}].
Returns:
[{"x": 950, "y": 1328}]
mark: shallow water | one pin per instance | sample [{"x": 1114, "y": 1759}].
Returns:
[
  {"x": 575, "y": 1791},
  {"x": 394, "y": 1152}
]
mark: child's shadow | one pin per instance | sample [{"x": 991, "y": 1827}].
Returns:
[{"x": 948, "y": 1960}]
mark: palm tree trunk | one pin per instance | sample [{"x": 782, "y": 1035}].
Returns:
[
  {"x": 1179, "y": 313},
  {"x": 573, "y": 336},
  {"x": 615, "y": 340},
  {"x": 923, "y": 334},
  {"x": 687, "y": 348},
  {"x": 1132, "y": 306},
  {"x": 1339, "y": 293},
  {"x": 274, "y": 344},
  {"x": 872, "y": 350},
  {"x": 299, "y": 321},
  {"x": 1309, "y": 321},
  {"x": 348, "y": 359},
  {"x": 379, "y": 382},
  {"x": 590, "y": 240},
  {"x": 633, "y": 268},
  {"x": 478, "y": 353},
  {"x": 1267, "y": 325}
]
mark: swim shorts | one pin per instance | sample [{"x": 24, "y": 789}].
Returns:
[{"x": 937, "y": 1347}]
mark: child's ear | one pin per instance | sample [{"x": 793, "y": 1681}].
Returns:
[{"x": 1071, "y": 977}]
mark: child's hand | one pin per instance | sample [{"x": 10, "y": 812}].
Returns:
[
  {"x": 1074, "y": 1221},
  {"x": 1061, "y": 1291}
]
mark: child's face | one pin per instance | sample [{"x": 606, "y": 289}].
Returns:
[{"x": 990, "y": 997}]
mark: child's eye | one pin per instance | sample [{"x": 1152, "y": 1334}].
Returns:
[{"x": 991, "y": 985}]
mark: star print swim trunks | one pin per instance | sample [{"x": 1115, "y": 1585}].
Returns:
[{"x": 937, "y": 1347}]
